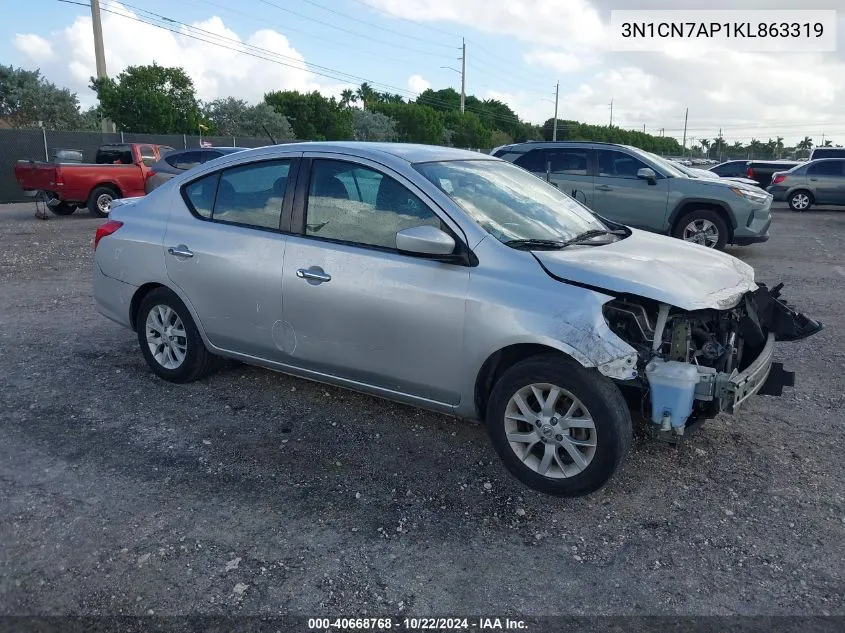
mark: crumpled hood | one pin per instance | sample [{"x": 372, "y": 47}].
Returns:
[{"x": 684, "y": 275}]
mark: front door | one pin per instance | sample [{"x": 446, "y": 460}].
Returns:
[
  {"x": 619, "y": 195},
  {"x": 226, "y": 255},
  {"x": 356, "y": 308},
  {"x": 827, "y": 181}
]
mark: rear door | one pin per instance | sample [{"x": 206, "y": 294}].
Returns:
[
  {"x": 355, "y": 307},
  {"x": 621, "y": 196},
  {"x": 224, "y": 249},
  {"x": 826, "y": 179}
]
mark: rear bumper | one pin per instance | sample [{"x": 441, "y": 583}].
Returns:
[{"x": 113, "y": 298}]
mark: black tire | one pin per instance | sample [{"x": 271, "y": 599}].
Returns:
[
  {"x": 94, "y": 199},
  {"x": 63, "y": 208},
  {"x": 797, "y": 197},
  {"x": 603, "y": 400},
  {"x": 198, "y": 361},
  {"x": 704, "y": 215}
]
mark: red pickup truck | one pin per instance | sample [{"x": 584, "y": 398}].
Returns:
[{"x": 119, "y": 171}]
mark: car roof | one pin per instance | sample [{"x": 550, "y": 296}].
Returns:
[{"x": 410, "y": 152}]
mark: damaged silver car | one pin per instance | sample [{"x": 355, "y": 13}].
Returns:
[{"x": 448, "y": 280}]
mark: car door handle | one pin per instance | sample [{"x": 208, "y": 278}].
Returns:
[
  {"x": 313, "y": 275},
  {"x": 814, "y": 179},
  {"x": 603, "y": 188},
  {"x": 180, "y": 251}
]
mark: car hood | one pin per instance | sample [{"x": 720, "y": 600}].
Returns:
[{"x": 669, "y": 270}]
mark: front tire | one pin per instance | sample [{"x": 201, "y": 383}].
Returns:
[
  {"x": 559, "y": 428},
  {"x": 800, "y": 201},
  {"x": 99, "y": 201},
  {"x": 703, "y": 226},
  {"x": 169, "y": 339}
]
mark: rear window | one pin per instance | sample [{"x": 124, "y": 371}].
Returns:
[
  {"x": 114, "y": 155},
  {"x": 828, "y": 152}
]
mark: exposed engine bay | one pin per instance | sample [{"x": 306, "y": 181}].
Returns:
[{"x": 694, "y": 364}]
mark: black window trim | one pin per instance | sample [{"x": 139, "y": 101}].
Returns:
[
  {"x": 299, "y": 213},
  {"x": 287, "y": 202}
]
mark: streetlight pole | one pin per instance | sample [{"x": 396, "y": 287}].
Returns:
[
  {"x": 463, "y": 72},
  {"x": 554, "y": 128},
  {"x": 99, "y": 52}
]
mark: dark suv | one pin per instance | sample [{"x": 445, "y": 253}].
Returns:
[{"x": 643, "y": 190}]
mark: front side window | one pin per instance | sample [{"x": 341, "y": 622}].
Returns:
[
  {"x": 148, "y": 154},
  {"x": 508, "y": 202},
  {"x": 569, "y": 160},
  {"x": 615, "y": 164},
  {"x": 533, "y": 161},
  {"x": 352, "y": 203}
]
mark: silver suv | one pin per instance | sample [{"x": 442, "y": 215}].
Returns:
[
  {"x": 641, "y": 189},
  {"x": 816, "y": 182}
]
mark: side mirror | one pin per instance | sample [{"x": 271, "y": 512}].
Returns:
[
  {"x": 647, "y": 174},
  {"x": 426, "y": 241}
]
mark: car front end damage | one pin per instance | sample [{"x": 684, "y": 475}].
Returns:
[{"x": 694, "y": 364}]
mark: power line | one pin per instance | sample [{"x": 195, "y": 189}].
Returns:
[
  {"x": 399, "y": 17},
  {"x": 261, "y": 53}
]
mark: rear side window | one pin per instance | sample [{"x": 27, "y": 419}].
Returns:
[
  {"x": 568, "y": 160},
  {"x": 535, "y": 160},
  {"x": 826, "y": 168},
  {"x": 730, "y": 169},
  {"x": 114, "y": 155},
  {"x": 148, "y": 154},
  {"x": 184, "y": 160},
  {"x": 200, "y": 195}
]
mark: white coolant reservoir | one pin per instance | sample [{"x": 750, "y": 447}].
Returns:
[{"x": 672, "y": 386}]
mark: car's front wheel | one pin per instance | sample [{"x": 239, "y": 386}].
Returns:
[
  {"x": 558, "y": 427},
  {"x": 704, "y": 227},
  {"x": 169, "y": 339},
  {"x": 800, "y": 201}
]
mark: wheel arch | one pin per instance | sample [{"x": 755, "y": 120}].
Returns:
[
  {"x": 497, "y": 363},
  {"x": 147, "y": 288},
  {"x": 110, "y": 185},
  {"x": 693, "y": 204}
]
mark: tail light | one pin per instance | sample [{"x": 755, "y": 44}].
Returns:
[
  {"x": 60, "y": 179},
  {"x": 778, "y": 178},
  {"x": 151, "y": 173},
  {"x": 106, "y": 229},
  {"x": 749, "y": 173}
]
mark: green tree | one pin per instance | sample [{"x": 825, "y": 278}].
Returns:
[
  {"x": 415, "y": 123},
  {"x": 779, "y": 147},
  {"x": 152, "y": 99},
  {"x": 373, "y": 126},
  {"x": 235, "y": 117},
  {"x": 27, "y": 99},
  {"x": 347, "y": 97},
  {"x": 805, "y": 145},
  {"x": 446, "y": 100},
  {"x": 467, "y": 130},
  {"x": 366, "y": 94},
  {"x": 828, "y": 143},
  {"x": 498, "y": 137},
  {"x": 313, "y": 116}
]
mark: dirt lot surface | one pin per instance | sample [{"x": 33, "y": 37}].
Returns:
[{"x": 253, "y": 492}]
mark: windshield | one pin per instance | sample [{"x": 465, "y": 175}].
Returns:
[{"x": 509, "y": 202}]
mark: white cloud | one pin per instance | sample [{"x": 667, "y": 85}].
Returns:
[
  {"x": 417, "y": 84},
  {"x": 33, "y": 46},
  {"x": 215, "y": 71},
  {"x": 557, "y": 60}
]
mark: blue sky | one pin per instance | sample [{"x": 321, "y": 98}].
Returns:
[{"x": 516, "y": 51}]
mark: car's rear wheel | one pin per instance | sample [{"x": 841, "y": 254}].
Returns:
[
  {"x": 800, "y": 201},
  {"x": 63, "y": 208},
  {"x": 169, "y": 339},
  {"x": 559, "y": 428},
  {"x": 703, "y": 226},
  {"x": 100, "y": 200}
]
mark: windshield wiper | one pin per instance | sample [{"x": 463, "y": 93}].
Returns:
[
  {"x": 586, "y": 235},
  {"x": 536, "y": 244}
]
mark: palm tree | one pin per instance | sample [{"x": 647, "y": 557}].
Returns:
[
  {"x": 771, "y": 148},
  {"x": 366, "y": 94},
  {"x": 828, "y": 143},
  {"x": 346, "y": 97},
  {"x": 779, "y": 147},
  {"x": 737, "y": 149},
  {"x": 805, "y": 146},
  {"x": 705, "y": 143},
  {"x": 754, "y": 148}
]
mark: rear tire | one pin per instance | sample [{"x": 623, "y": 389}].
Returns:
[
  {"x": 63, "y": 208},
  {"x": 99, "y": 200},
  {"x": 169, "y": 339},
  {"x": 702, "y": 226},
  {"x": 800, "y": 201},
  {"x": 568, "y": 444}
]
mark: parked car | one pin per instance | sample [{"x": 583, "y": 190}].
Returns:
[
  {"x": 695, "y": 172},
  {"x": 445, "y": 279},
  {"x": 827, "y": 152},
  {"x": 119, "y": 170},
  {"x": 761, "y": 171},
  {"x": 817, "y": 182},
  {"x": 639, "y": 189},
  {"x": 731, "y": 169},
  {"x": 180, "y": 160}
]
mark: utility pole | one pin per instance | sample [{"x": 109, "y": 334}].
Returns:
[
  {"x": 463, "y": 72},
  {"x": 822, "y": 139},
  {"x": 554, "y": 127},
  {"x": 643, "y": 128},
  {"x": 719, "y": 142},
  {"x": 611, "y": 113},
  {"x": 684, "y": 144},
  {"x": 662, "y": 130},
  {"x": 99, "y": 52}
]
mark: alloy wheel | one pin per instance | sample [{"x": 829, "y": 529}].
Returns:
[
  {"x": 702, "y": 232},
  {"x": 166, "y": 336}
]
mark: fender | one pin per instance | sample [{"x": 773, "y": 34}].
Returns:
[{"x": 676, "y": 212}]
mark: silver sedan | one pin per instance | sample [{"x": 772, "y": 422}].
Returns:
[{"x": 446, "y": 279}]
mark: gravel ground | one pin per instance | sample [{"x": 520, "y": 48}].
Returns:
[{"x": 257, "y": 493}]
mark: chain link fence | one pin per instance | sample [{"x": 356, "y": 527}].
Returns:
[{"x": 40, "y": 144}]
